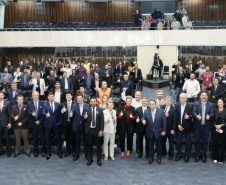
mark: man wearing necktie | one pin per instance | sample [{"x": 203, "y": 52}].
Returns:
[
  {"x": 53, "y": 118},
  {"x": 94, "y": 126},
  {"x": 217, "y": 91},
  {"x": 66, "y": 83},
  {"x": 66, "y": 110},
  {"x": 20, "y": 125},
  {"x": 35, "y": 123}
]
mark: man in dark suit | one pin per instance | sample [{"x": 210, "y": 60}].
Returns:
[
  {"x": 13, "y": 93},
  {"x": 51, "y": 79},
  {"x": 185, "y": 127},
  {"x": 59, "y": 94},
  {"x": 79, "y": 125},
  {"x": 137, "y": 77},
  {"x": 66, "y": 83},
  {"x": 171, "y": 114},
  {"x": 52, "y": 113},
  {"x": 140, "y": 129},
  {"x": 155, "y": 129},
  {"x": 158, "y": 65},
  {"x": 66, "y": 109},
  {"x": 74, "y": 79},
  {"x": 24, "y": 80},
  {"x": 127, "y": 84},
  {"x": 120, "y": 69},
  {"x": 217, "y": 91},
  {"x": 94, "y": 126},
  {"x": 35, "y": 123},
  {"x": 19, "y": 117},
  {"x": 5, "y": 124},
  {"x": 203, "y": 112}
]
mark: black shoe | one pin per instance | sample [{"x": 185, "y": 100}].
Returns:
[
  {"x": 99, "y": 163},
  {"x": 140, "y": 155},
  {"x": 48, "y": 156},
  {"x": 178, "y": 157},
  {"x": 196, "y": 159},
  {"x": 15, "y": 155},
  {"x": 73, "y": 154},
  {"x": 204, "y": 159},
  {"x": 67, "y": 153},
  {"x": 76, "y": 157},
  {"x": 163, "y": 155},
  {"x": 146, "y": 156},
  {"x": 170, "y": 158},
  {"x": 35, "y": 154},
  {"x": 43, "y": 154},
  {"x": 28, "y": 154},
  {"x": 159, "y": 161},
  {"x": 150, "y": 161},
  {"x": 9, "y": 154},
  {"x": 89, "y": 162},
  {"x": 2, "y": 152},
  {"x": 60, "y": 155},
  {"x": 186, "y": 159}
]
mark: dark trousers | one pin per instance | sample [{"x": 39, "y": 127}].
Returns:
[
  {"x": 152, "y": 142},
  {"x": 187, "y": 135},
  {"x": 140, "y": 138},
  {"x": 201, "y": 134},
  {"x": 38, "y": 132},
  {"x": 78, "y": 134},
  {"x": 49, "y": 133},
  {"x": 69, "y": 136},
  {"x": 91, "y": 137},
  {"x": 171, "y": 143},
  {"x": 159, "y": 69},
  {"x": 192, "y": 100},
  {"x": 129, "y": 142},
  {"x": 4, "y": 131},
  {"x": 219, "y": 145}
]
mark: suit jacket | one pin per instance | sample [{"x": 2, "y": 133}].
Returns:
[
  {"x": 28, "y": 78},
  {"x": 65, "y": 114},
  {"x": 41, "y": 84},
  {"x": 218, "y": 93},
  {"x": 78, "y": 120},
  {"x": 39, "y": 117},
  {"x": 55, "y": 118},
  {"x": 118, "y": 69},
  {"x": 158, "y": 126},
  {"x": 160, "y": 64},
  {"x": 187, "y": 124},
  {"x": 70, "y": 85},
  {"x": 110, "y": 127},
  {"x": 130, "y": 90},
  {"x": 139, "y": 75},
  {"x": 5, "y": 117},
  {"x": 140, "y": 128},
  {"x": 74, "y": 80},
  {"x": 109, "y": 79},
  {"x": 51, "y": 82},
  {"x": 171, "y": 120},
  {"x": 99, "y": 119},
  {"x": 176, "y": 67},
  {"x": 9, "y": 94},
  {"x": 22, "y": 118},
  {"x": 62, "y": 92},
  {"x": 197, "y": 109}
]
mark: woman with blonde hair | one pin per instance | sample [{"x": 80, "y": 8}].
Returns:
[
  {"x": 103, "y": 104},
  {"x": 110, "y": 123}
]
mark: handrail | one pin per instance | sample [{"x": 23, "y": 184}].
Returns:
[{"x": 106, "y": 28}]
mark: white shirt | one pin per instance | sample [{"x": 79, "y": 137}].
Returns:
[
  {"x": 135, "y": 103},
  {"x": 68, "y": 70},
  {"x": 188, "y": 25},
  {"x": 192, "y": 87},
  {"x": 95, "y": 110},
  {"x": 57, "y": 96},
  {"x": 167, "y": 110},
  {"x": 66, "y": 84},
  {"x": 1, "y": 105},
  {"x": 182, "y": 107},
  {"x": 53, "y": 105}
]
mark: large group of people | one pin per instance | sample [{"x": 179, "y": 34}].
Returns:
[{"x": 76, "y": 100}]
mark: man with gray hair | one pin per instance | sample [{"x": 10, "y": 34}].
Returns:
[
  {"x": 185, "y": 125},
  {"x": 171, "y": 114}
]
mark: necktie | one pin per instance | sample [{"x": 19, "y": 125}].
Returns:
[
  {"x": 93, "y": 120},
  {"x": 166, "y": 109},
  {"x": 190, "y": 67},
  {"x": 215, "y": 87},
  {"x": 14, "y": 93},
  {"x": 68, "y": 110},
  {"x": 51, "y": 105},
  {"x": 1, "y": 106},
  {"x": 203, "y": 114},
  {"x": 136, "y": 73},
  {"x": 144, "y": 109},
  {"x": 19, "y": 110},
  {"x": 153, "y": 115},
  {"x": 36, "y": 109}
]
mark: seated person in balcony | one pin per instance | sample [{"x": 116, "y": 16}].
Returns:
[
  {"x": 145, "y": 24},
  {"x": 175, "y": 25},
  {"x": 158, "y": 65},
  {"x": 188, "y": 24},
  {"x": 152, "y": 22},
  {"x": 160, "y": 25}
]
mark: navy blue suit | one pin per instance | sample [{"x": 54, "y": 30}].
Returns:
[
  {"x": 171, "y": 125},
  {"x": 202, "y": 131},
  {"x": 36, "y": 129},
  {"x": 154, "y": 130},
  {"x": 52, "y": 124},
  {"x": 9, "y": 95},
  {"x": 88, "y": 89},
  {"x": 120, "y": 71},
  {"x": 70, "y": 85},
  {"x": 79, "y": 127}
]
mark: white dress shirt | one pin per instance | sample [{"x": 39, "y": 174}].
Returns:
[
  {"x": 95, "y": 110},
  {"x": 57, "y": 96},
  {"x": 135, "y": 103}
]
